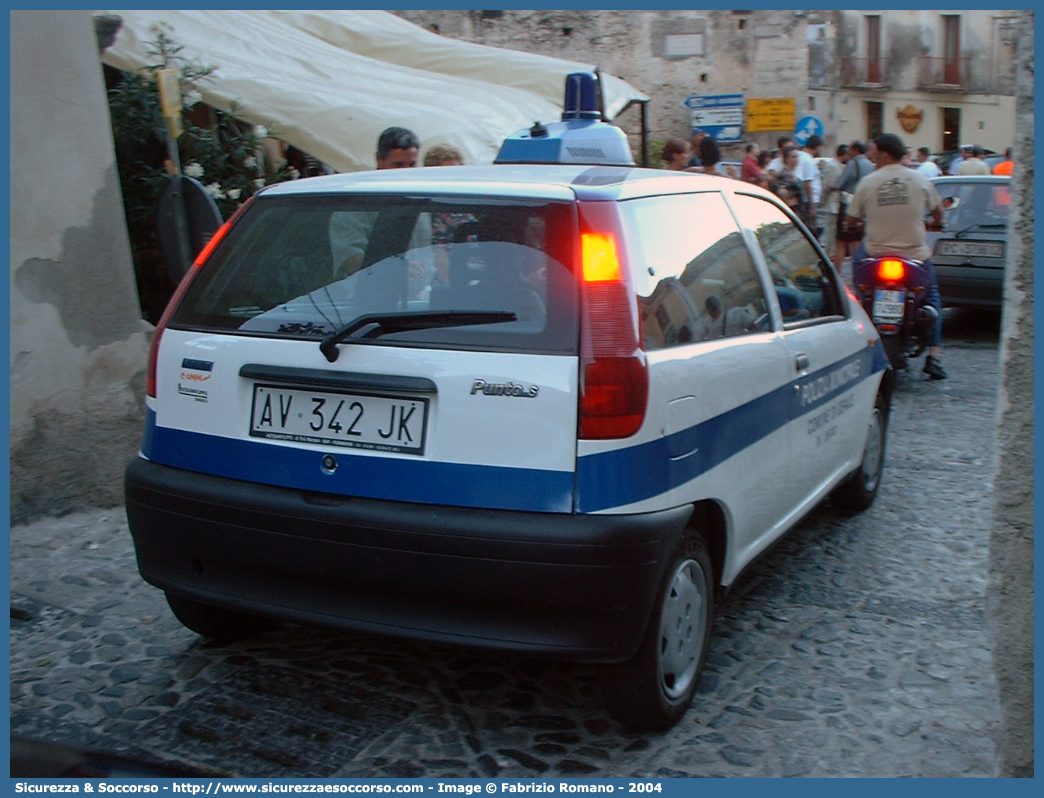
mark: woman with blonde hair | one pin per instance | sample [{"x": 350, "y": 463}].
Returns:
[{"x": 443, "y": 155}]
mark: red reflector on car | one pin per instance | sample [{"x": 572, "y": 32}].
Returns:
[{"x": 616, "y": 390}]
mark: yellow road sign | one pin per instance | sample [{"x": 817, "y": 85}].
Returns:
[{"x": 773, "y": 114}]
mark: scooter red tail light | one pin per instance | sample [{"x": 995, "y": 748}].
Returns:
[{"x": 891, "y": 270}]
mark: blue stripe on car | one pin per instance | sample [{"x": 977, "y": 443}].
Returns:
[
  {"x": 398, "y": 479},
  {"x": 603, "y": 481},
  {"x": 625, "y": 476}
]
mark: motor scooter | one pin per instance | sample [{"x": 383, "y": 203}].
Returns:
[{"x": 894, "y": 292}]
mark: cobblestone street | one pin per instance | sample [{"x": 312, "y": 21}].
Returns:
[{"x": 857, "y": 647}]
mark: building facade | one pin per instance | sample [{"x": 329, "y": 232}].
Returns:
[
  {"x": 937, "y": 78},
  {"x": 670, "y": 55}
]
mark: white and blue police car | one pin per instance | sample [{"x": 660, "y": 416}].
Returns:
[{"x": 548, "y": 408}]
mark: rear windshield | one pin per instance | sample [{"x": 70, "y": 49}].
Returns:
[
  {"x": 308, "y": 267},
  {"x": 974, "y": 207}
]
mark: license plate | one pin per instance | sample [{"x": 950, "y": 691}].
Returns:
[
  {"x": 970, "y": 249},
  {"x": 383, "y": 423},
  {"x": 888, "y": 305}
]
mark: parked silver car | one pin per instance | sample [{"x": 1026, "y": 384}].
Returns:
[{"x": 971, "y": 251}]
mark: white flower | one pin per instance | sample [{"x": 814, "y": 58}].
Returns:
[
  {"x": 191, "y": 98},
  {"x": 233, "y": 193},
  {"x": 294, "y": 174},
  {"x": 194, "y": 169},
  {"x": 259, "y": 183},
  {"x": 261, "y": 131},
  {"x": 250, "y": 162},
  {"x": 214, "y": 190}
]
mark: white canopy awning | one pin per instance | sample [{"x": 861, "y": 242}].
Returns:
[{"x": 328, "y": 82}]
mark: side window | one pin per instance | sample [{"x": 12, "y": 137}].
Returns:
[
  {"x": 695, "y": 276},
  {"x": 805, "y": 286}
]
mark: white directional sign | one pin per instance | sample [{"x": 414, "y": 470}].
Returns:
[{"x": 721, "y": 115}]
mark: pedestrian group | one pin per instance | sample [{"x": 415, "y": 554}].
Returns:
[{"x": 835, "y": 198}]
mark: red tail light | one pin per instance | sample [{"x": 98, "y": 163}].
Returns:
[
  {"x": 891, "y": 270},
  {"x": 614, "y": 377},
  {"x": 179, "y": 293}
]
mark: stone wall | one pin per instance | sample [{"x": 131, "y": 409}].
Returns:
[
  {"x": 78, "y": 343},
  {"x": 1010, "y": 602},
  {"x": 766, "y": 54},
  {"x": 757, "y": 53}
]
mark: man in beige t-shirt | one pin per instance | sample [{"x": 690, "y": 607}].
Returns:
[
  {"x": 974, "y": 165},
  {"x": 892, "y": 201}
]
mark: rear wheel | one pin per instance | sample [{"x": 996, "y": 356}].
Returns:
[
  {"x": 215, "y": 622},
  {"x": 858, "y": 491},
  {"x": 654, "y": 689}
]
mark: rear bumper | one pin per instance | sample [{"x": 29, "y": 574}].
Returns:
[
  {"x": 971, "y": 286},
  {"x": 575, "y": 586}
]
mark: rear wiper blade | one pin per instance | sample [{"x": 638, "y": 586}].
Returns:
[{"x": 385, "y": 323}]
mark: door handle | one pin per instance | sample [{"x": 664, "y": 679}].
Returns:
[{"x": 801, "y": 361}]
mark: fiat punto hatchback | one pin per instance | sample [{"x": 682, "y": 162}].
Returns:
[{"x": 552, "y": 410}]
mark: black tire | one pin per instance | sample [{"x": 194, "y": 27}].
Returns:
[
  {"x": 896, "y": 353},
  {"x": 857, "y": 492},
  {"x": 654, "y": 689},
  {"x": 214, "y": 622}
]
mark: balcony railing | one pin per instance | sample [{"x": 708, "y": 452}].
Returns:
[
  {"x": 864, "y": 73},
  {"x": 943, "y": 74}
]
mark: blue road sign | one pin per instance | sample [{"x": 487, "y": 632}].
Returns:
[
  {"x": 807, "y": 127},
  {"x": 720, "y": 115}
]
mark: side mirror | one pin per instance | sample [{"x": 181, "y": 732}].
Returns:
[{"x": 186, "y": 219}]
